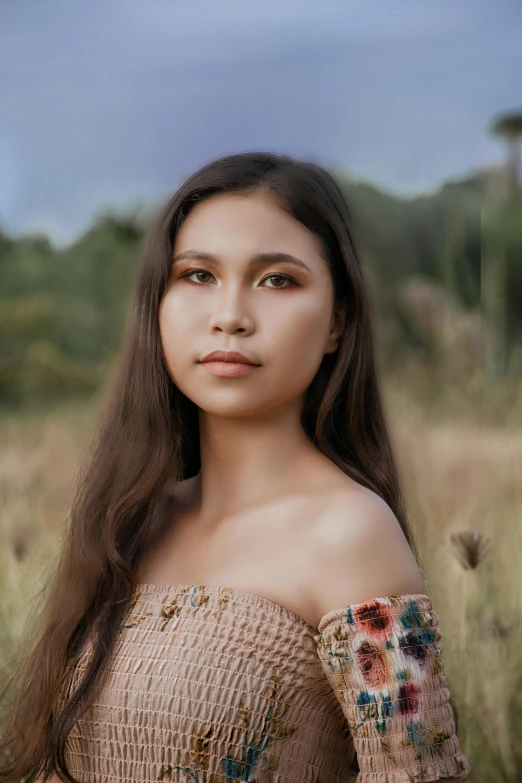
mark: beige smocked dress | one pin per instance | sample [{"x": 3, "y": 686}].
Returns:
[{"x": 212, "y": 684}]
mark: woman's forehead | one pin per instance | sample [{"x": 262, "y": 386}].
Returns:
[{"x": 253, "y": 223}]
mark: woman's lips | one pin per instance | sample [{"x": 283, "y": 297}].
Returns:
[{"x": 229, "y": 369}]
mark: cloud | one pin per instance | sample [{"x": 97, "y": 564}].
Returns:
[{"x": 117, "y": 100}]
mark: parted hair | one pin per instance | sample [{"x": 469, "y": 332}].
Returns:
[{"x": 147, "y": 438}]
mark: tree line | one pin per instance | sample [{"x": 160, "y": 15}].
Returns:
[{"x": 62, "y": 311}]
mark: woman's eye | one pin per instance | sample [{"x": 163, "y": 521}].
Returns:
[
  {"x": 196, "y": 272},
  {"x": 277, "y": 277},
  {"x": 280, "y": 277}
]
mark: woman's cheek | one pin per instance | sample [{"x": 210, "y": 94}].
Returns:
[
  {"x": 177, "y": 321},
  {"x": 303, "y": 336}
]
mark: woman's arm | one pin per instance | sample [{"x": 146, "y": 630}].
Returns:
[{"x": 383, "y": 655}]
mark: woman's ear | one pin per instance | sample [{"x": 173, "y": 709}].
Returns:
[{"x": 337, "y": 326}]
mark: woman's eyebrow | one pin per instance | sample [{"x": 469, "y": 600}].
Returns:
[{"x": 259, "y": 259}]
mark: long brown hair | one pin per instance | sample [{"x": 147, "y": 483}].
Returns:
[{"x": 148, "y": 437}]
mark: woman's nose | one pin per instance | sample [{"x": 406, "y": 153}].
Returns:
[{"x": 230, "y": 314}]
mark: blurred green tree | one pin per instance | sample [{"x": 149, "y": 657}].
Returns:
[{"x": 509, "y": 127}]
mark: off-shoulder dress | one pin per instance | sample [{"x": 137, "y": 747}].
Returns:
[{"x": 212, "y": 684}]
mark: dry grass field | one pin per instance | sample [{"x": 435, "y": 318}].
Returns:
[{"x": 463, "y": 481}]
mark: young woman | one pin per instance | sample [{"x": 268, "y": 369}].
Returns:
[{"x": 238, "y": 597}]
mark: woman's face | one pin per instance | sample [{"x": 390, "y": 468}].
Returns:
[{"x": 227, "y": 297}]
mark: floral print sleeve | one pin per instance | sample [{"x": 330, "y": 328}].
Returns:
[{"x": 384, "y": 662}]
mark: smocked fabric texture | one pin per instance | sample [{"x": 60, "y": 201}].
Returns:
[
  {"x": 218, "y": 685},
  {"x": 383, "y": 659}
]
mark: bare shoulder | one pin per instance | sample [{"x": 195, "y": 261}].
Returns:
[{"x": 358, "y": 552}]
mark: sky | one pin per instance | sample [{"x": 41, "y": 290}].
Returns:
[{"x": 111, "y": 103}]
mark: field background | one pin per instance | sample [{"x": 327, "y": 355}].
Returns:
[{"x": 445, "y": 273}]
